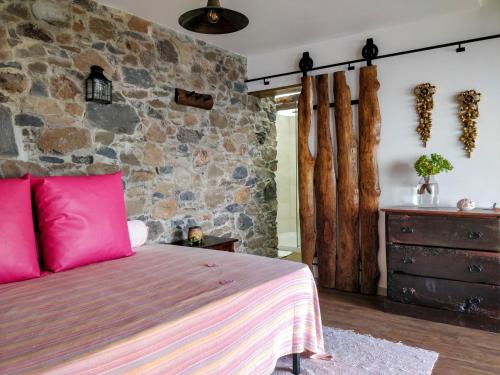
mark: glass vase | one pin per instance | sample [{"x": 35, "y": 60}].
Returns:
[{"x": 427, "y": 192}]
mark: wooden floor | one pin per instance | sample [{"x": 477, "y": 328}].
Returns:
[{"x": 461, "y": 350}]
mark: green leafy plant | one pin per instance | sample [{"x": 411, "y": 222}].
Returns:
[
  {"x": 427, "y": 167},
  {"x": 434, "y": 165}
]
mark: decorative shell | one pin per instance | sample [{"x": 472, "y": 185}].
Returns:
[{"x": 466, "y": 204}]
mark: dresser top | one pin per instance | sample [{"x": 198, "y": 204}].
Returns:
[
  {"x": 441, "y": 211},
  {"x": 208, "y": 241}
]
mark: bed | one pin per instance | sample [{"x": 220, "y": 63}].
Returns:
[{"x": 165, "y": 310}]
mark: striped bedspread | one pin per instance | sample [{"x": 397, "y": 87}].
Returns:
[{"x": 165, "y": 310}]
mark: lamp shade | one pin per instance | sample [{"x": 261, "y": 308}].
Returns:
[{"x": 213, "y": 19}]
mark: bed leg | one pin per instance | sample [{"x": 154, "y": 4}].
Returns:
[{"x": 296, "y": 364}]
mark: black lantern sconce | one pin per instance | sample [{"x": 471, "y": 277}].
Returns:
[{"x": 99, "y": 89}]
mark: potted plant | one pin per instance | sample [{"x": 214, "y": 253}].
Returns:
[{"x": 428, "y": 188}]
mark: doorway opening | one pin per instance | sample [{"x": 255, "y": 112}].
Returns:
[
  {"x": 287, "y": 181},
  {"x": 288, "y": 220},
  {"x": 287, "y": 184}
]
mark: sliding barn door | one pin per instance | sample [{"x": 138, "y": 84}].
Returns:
[{"x": 352, "y": 265}]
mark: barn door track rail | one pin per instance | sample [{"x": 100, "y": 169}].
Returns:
[{"x": 369, "y": 53}]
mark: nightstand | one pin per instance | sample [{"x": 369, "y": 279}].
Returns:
[{"x": 212, "y": 243}]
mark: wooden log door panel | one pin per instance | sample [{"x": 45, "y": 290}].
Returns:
[
  {"x": 306, "y": 174},
  {"x": 347, "y": 275},
  {"x": 325, "y": 188},
  {"x": 369, "y": 138}
]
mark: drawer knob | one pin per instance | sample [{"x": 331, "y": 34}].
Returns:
[
  {"x": 475, "y": 268},
  {"x": 407, "y": 230},
  {"x": 474, "y": 235},
  {"x": 408, "y": 291},
  {"x": 408, "y": 294},
  {"x": 471, "y": 304}
]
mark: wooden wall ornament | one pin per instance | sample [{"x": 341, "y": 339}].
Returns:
[
  {"x": 194, "y": 99},
  {"x": 306, "y": 174},
  {"x": 347, "y": 274},
  {"x": 425, "y": 104},
  {"x": 325, "y": 190},
  {"x": 369, "y": 138},
  {"x": 468, "y": 114}
]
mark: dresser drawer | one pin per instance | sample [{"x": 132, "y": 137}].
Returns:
[
  {"x": 454, "y": 232},
  {"x": 469, "y": 298},
  {"x": 460, "y": 265}
]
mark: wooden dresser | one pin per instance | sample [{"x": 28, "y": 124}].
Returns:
[{"x": 444, "y": 265}]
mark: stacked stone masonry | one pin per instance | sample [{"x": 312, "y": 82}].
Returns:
[{"x": 182, "y": 166}]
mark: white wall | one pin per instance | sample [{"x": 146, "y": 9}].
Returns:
[{"x": 478, "y": 68}]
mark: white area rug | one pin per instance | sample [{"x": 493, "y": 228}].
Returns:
[{"x": 355, "y": 354}]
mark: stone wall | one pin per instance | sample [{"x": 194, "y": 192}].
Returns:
[{"x": 182, "y": 166}]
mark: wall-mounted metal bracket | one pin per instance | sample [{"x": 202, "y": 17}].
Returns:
[
  {"x": 370, "y": 51},
  {"x": 306, "y": 63}
]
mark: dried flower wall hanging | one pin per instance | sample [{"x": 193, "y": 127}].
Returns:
[
  {"x": 468, "y": 114},
  {"x": 425, "y": 104}
]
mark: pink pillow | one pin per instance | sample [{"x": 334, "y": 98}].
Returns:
[
  {"x": 81, "y": 220},
  {"x": 18, "y": 254}
]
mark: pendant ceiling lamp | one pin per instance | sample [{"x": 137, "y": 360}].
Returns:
[{"x": 213, "y": 19}]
